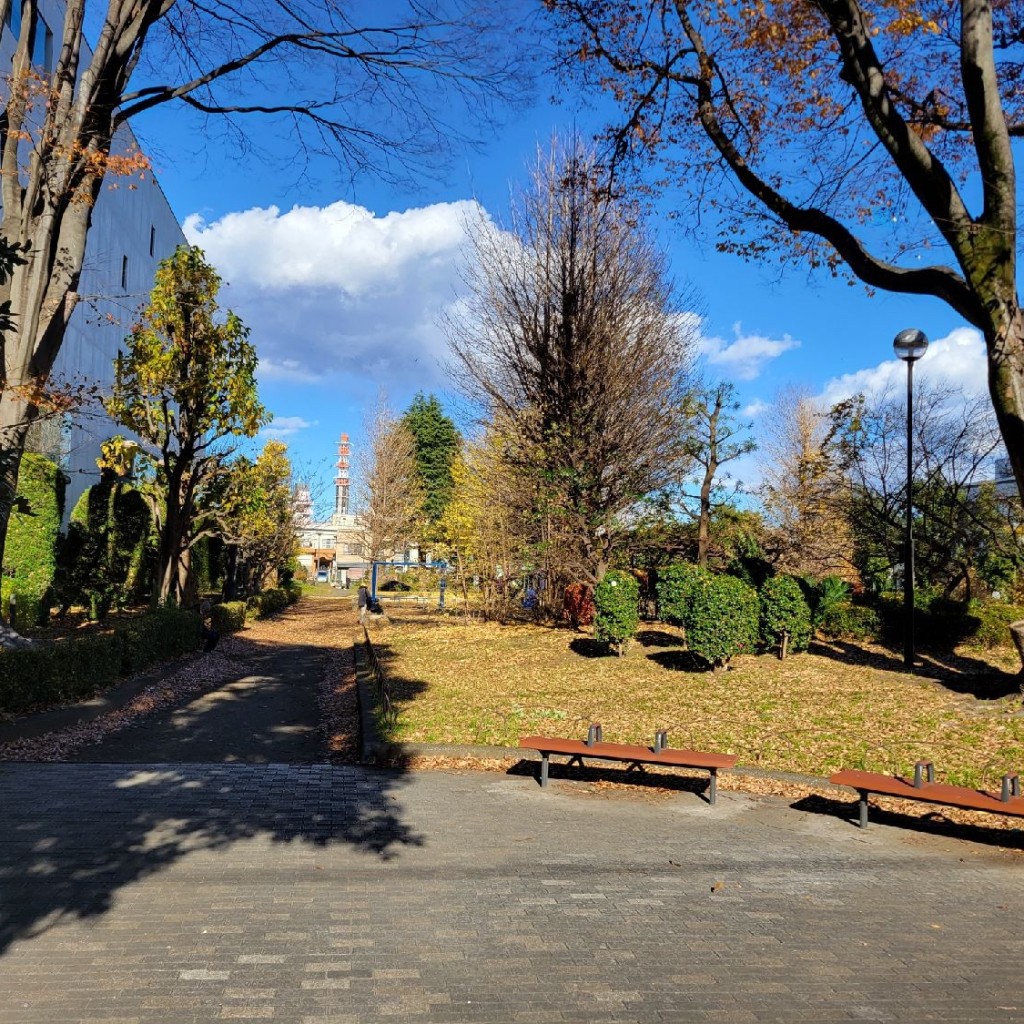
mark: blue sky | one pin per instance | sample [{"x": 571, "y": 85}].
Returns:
[{"x": 343, "y": 287}]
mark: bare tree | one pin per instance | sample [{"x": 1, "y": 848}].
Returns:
[
  {"x": 715, "y": 438},
  {"x": 836, "y": 134},
  {"x": 962, "y": 529},
  {"x": 574, "y": 340},
  {"x": 391, "y": 492},
  {"x": 386, "y": 96}
]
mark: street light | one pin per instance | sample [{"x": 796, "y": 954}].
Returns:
[{"x": 909, "y": 345}]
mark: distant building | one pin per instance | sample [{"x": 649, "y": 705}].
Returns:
[
  {"x": 335, "y": 549},
  {"x": 1006, "y": 483}
]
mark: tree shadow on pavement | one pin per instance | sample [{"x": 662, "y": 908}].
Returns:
[
  {"x": 932, "y": 821},
  {"x": 72, "y": 836}
]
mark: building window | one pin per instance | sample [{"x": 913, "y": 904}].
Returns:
[
  {"x": 124, "y": 273},
  {"x": 42, "y": 44},
  {"x": 152, "y": 241}
]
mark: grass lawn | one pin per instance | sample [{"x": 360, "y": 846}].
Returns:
[{"x": 840, "y": 705}]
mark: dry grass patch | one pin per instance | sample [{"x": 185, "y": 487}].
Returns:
[{"x": 459, "y": 682}]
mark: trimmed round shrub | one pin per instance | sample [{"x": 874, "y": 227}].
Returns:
[
  {"x": 578, "y": 604},
  {"x": 228, "y": 616},
  {"x": 676, "y": 585},
  {"x": 784, "y": 611},
  {"x": 616, "y": 607},
  {"x": 722, "y": 620}
]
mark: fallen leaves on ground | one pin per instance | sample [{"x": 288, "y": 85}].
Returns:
[{"x": 840, "y": 707}]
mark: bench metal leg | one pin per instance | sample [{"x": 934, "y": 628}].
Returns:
[
  {"x": 863, "y": 822},
  {"x": 713, "y": 788},
  {"x": 543, "y": 770}
]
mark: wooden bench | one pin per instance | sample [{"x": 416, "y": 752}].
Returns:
[
  {"x": 633, "y": 756},
  {"x": 924, "y": 787}
]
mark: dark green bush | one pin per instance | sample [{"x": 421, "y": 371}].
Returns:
[
  {"x": 994, "y": 620},
  {"x": 722, "y": 620},
  {"x": 78, "y": 666},
  {"x": 103, "y": 558},
  {"x": 53, "y": 673},
  {"x": 293, "y": 588},
  {"x": 273, "y": 600},
  {"x": 849, "y": 621},
  {"x": 752, "y": 569},
  {"x": 87, "y": 664},
  {"x": 229, "y": 616},
  {"x": 29, "y": 556},
  {"x": 156, "y": 636},
  {"x": 939, "y": 623},
  {"x": 28, "y": 678},
  {"x": 676, "y": 584},
  {"x": 825, "y": 596},
  {"x": 616, "y": 606},
  {"x": 784, "y": 610}
]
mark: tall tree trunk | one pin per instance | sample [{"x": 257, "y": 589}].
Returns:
[{"x": 1006, "y": 383}]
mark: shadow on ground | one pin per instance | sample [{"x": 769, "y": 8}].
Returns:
[
  {"x": 955, "y": 671},
  {"x": 602, "y": 776},
  {"x": 74, "y": 835},
  {"x": 934, "y": 822}
]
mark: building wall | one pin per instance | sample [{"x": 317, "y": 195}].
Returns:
[
  {"x": 132, "y": 231},
  {"x": 133, "y": 228}
]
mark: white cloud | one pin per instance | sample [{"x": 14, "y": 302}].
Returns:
[
  {"x": 744, "y": 357},
  {"x": 335, "y": 292},
  {"x": 957, "y": 359},
  {"x": 754, "y": 409},
  {"x": 287, "y": 426}
]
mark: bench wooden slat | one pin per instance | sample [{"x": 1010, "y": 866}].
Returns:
[
  {"x": 628, "y": 752},
  {"x": 928, "y": 792}
]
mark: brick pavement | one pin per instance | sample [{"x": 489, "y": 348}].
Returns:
[{"x": 316, "y": 893}]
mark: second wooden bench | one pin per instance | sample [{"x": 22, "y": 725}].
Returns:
[{"x": 924, "y": 787}]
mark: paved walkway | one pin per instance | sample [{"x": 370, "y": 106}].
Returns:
[
  {"x": 315, "y": 893},
  {"x": 267, "y": 715},
  {"x": 187, "y": 874}
]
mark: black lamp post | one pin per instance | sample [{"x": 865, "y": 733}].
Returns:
[{"x": 909, "y": 345}]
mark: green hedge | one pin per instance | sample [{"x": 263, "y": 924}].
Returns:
[
  {"x": 784, "y": 610},
  {"x": 616, "y": 607},
  {"x": 675, "y": 587},
  {"x": 722, "y": 620},
  {"x": 29, "y": 556},
  {"x": 103, "y": 560},
  {"x": 229, "y": 616},
  {"x": 270, "y": 601},
  {"x": 74, "y": 668},
  {"x": 161, "y": 634}
]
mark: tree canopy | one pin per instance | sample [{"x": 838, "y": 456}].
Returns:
[
  {"x": 186, "y": 387},
  {"x": 875, "y": 135},
  {"x": 437, "y": 445}
]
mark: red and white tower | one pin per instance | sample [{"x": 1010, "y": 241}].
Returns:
[{"x": 341, "y": 482}]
